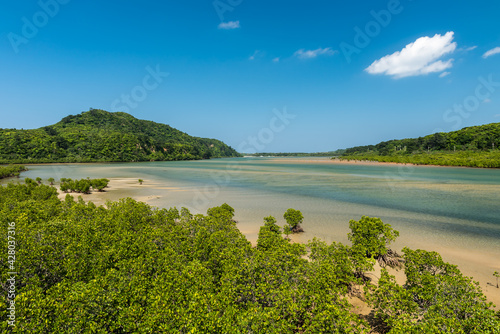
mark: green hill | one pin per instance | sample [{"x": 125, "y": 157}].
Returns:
[
  {"x": 475, "y": 146},
  {"x": 98, "y": 135}
]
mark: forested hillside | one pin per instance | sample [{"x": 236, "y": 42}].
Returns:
[
  {"x": 98, "y": 135},
  {"x": 130, "y": 268},
  {"x": 476, "y": 146}
]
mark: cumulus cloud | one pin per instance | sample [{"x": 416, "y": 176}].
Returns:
[
  {"x": 229, "y": 25},
  {"x": 491, "y": 52},
  {"x": 442, "y": 75},
  {"x": 418, "y": 58},
  {"x": 309, "y": 54}
]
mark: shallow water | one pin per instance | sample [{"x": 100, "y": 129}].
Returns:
[{"x": 455, "y": 211}]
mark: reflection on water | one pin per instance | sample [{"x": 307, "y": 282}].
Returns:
[{"x": 452, "y": 210}]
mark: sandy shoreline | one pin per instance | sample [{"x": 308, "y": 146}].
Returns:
[{"x": 470, "y": 262}]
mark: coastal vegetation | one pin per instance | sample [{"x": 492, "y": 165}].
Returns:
[
  {"x": 476, "y": 146},
  {"x": 293, "y": 219},
  {"x": 130, "y": 268},
  {"x": 101, "y": 136},
  {"x": 83, "y": 185},
  {"x": 11, "y": 170}
]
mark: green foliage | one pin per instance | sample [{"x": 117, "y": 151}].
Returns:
[
  {"x": 83, "y": 185},
  {"x": 294, "y": 218},
  {"x": 99, "y": 184},
  {"x": 97, "y": 135},
  {"x": 30, "y": 181},
  {"x": 393, "y": 304},
  {"x": 497, "y": 275},
  {"x": 435, "y": 299},
  {"x": 476, "y": 146},
  {"x": 371, "y": 236},
  {"x": 221, "y": 212},
  {"x": 141, "y": 181},
  {"x": 11, "y": 170},
  {"x": 131, "y": 268},
  {"x": 337, "y": 266}
]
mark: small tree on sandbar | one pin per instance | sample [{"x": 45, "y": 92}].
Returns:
[
  {"x": 497, "y": 275},
  {"x": 140, "y": 181},
  {"x": 372, "y": 237},
  {"x": 294, "y": 218}
]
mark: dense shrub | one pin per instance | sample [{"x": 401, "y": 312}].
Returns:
[
  {"x": 131, "y": 268},
  {"x": 83, "y": 185},
  {"x": 11, "y": 170}
]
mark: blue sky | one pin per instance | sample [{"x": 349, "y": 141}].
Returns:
[{"x": 346, "y": 73}]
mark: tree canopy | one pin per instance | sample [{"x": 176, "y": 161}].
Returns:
[
  {"x": 98, "y": 135},
  {"x": 128, "y": 267},
  {"x": 476, "y": 146},
  {"x": 294, "y": 218},
  {"x": 11, "y": 170}
]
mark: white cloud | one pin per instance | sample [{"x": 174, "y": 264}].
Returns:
[
  {"x": 417, "y": 58},
  {"x": 442, "y": 75},
  {"x": 491, "y": 52},
  {"x": 309, "y": 54},
  {"x": 276, "y": 60},
  {"x": 229, "y": 25},
  {"x": 469, "y": 48},
  {"x": 255, "y": 54}
]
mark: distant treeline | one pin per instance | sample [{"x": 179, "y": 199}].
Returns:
[
  {"x": 465, "y": 159},
  {"x": 475, "y": 146},
  {"x": 101, "y": 136},
  {"x": 317, "y": 154},
  {"x": 11, "y": 170}
]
